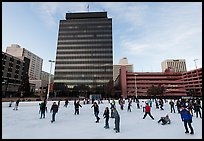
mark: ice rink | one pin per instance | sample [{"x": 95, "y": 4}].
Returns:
[{"x": 25, "y": 123}]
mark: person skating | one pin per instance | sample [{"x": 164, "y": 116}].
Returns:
[
  {"x": 59, "y": 103},
  {"x": 76, "y": 107},
  {"x": 66, "y": 103},
  {"x": 16, "y": 105},
  {"x": 178, "y": 105},
  {"x": 147, "y": 111},
  {"x": 10, "y": 103},
  {"x": 138, "y": 103},
  {"x": 150, "y": 102},
  {"x": 165, "y": 120},
  {"x": 171, "y": 103},
  {"x": 157, "y": 104},
  {"x": 112, "y": 106},
  {"x": 96, "y": 111},
  {"x": 186, "y": 117},
  {"x": 143, "y": 106},
  {"x": 161, "y": 103},
  {"x": 121, "y": 104},
  {"x": 190, "y": 107},
  {"x": 129, "y": 105},
  {"x": 106, "y": 116},
  {"x": 42, "y": 109},
  {"x": 197, "y": 108},
  {"x": 54, "y": 110},
  {"x": 117, "y": 120}
]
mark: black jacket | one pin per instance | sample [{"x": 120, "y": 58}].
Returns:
[
  {"x": 54, "y": 108},
  {"x": 106, "y": 114},
  {"x": 96, "y": 108},
  {"x": 76, "y": 105}
]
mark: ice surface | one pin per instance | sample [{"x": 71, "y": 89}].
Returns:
[{"x": 25, "y": 123}]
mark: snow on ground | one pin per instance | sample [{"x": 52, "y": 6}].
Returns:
[{"x": 25, "y": 123}]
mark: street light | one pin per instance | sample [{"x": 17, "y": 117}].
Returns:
[
  {"x": 195, "y": 62},
  {"x": 5, "y": 82},
  {"x": 48, "y": 91},
  {"x": 135, "y": 86}
]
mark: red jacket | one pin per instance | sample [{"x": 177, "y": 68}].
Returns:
[{"x": 147, "y": 108}]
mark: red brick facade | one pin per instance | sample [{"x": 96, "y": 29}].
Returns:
[{"x": 176, "y": 84}]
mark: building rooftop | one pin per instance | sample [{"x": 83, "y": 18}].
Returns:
[{"x": 85, "y": 15}]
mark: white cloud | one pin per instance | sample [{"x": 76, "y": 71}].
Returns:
[
  {"x": 148, "y": 29},
  {"x": 52, "y": 12}
]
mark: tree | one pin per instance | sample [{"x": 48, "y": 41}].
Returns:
[
  {"x": 24, "y": 88},
  {"x": 156, "y": 91}
]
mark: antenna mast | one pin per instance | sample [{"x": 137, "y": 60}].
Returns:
[{"x": 88, "y": 8}]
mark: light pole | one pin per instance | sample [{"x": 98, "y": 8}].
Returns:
[
  {"x": 196, "y": 74},
  {"x": 48, "y": 91},
  {"x": 135, "y": 86},
  {"x": 5, "y": 82},
  {"x": 195, "y": 62}
]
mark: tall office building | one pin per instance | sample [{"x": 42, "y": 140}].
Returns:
[
  {"x": 84, "y": 58},
  {"x": 122, "y": 62},
  {"x": 178, "y": 65},
  {"x": 35, "y": 66}
]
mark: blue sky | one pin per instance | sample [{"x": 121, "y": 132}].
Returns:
[{"x": 147, "y": 33}]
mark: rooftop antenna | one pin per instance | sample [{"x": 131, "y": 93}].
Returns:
[
  {"x": 195, "y": 62},
  {"x": 88, "y": 7}
]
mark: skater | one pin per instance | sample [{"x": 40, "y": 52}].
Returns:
[
  {"x": 113, "y": 102},
  {"x": 42, "y": 109},
  {"x": 161, "y": 103},
  {"x": 76, "y": 107},
  {"x": 129, "y": 105},
  {"x": 66, "y": 103},
  {"x": 171, "y": 103},
  {"x": 84, "y": 101},
  {"x": 96, "y": 111},
  {"x": 59, "y": 103},
  {"x": 143, "y": 106},
  {"x": 54, "y": 110},
  {"x": 117, "y": 120},
  {"x": 106, "y": 116},
  {"x": 112, "y": 106},
  {"x": 197, "y": 108},
  {"x": 190, "y": 107},
  {"x": 147, "y": 111},
  {"x": 16, "y": 105},
  {"x": 165, "y": 120},
  {"x": 150, "y": 102},
  {"x": 187, "y": 119},
  {"x": 10, "y": 104},
  {"x": 178, "y": 105},
  {"x": 138, "y": 103},
  {"x": 157, "y": 104},
  {"x": 121, "y": 104}
]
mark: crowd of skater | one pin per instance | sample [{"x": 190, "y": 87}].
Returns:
[{"x": 186, "y": 108}]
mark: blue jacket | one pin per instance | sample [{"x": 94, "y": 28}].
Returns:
[{"x": 185, "y": 115}]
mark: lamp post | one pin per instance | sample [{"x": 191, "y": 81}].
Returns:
[
  {"x": 196, "y": 74},
  {"x": 48, "y": 91},
  {"x": 5, "y": 82},
  {"x": 135, "y": 86},
  {"x": 195, "y": 62}
]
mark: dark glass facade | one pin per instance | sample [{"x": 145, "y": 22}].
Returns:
[{"x": 84, "y": 58}]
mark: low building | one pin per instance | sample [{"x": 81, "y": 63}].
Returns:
[
  {"x": 176, "y": 84},
  {"x": 13, "y": 70}
]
